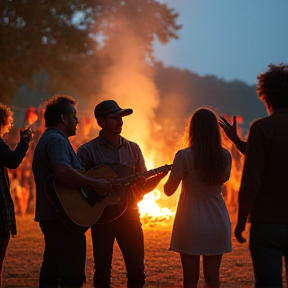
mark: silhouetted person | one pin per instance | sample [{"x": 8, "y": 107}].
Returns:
[
  {"x": 65, "y": 252},
  {"x": 202, "y": 225},
  {"x": 125, "y": 158},
  {"x": 8, "y": 159},
  {"x": 263, "y": 194}
]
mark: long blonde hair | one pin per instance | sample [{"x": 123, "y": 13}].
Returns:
[{"x": 205, "y": 138}]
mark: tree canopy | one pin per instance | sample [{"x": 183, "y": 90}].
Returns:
[{"x": 65, "y": 38}]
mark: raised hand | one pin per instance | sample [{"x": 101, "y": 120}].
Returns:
[
  {"x": 26, "y": 135},
  {"x": 231, "y": 133},
  {"x": 229, "y": 130}
]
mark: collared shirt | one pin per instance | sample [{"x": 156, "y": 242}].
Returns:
[
  {"x": 127, "y": 156},
  {"x": 264, "y": 184},
  {"x": 8, "y": 159},
  {"x": 98, "y": 151}
]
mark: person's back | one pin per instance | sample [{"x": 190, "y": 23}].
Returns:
[
  {"x": 201, "y": 225},
  {"x": 263, "y": 191},
  {"x": 272, "y": 159},
  {"x": 10, "y": 159},
  {"x": 191, "y": 183}
]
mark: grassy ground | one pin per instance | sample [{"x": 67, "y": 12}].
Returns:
[{"x": 163, "y": 268}]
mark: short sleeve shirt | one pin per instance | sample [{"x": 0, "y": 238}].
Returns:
[{"x": 53, "y": 148}]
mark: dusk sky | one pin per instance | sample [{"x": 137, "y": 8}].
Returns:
[{"x": 232, "y": 39}]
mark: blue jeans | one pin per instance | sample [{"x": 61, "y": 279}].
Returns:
[
  {"x": 268, "y": 245},
  {"x": 129, "y": 235}
]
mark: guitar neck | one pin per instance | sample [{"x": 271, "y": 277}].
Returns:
[
  {"x": 130, "y": 180},
  {"x": 155, "y": 171}
]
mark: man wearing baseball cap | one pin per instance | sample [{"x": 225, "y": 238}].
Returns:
[{"x": 125, "y": 158}]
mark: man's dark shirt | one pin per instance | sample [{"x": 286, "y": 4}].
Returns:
[{"x": 264, "y": 184}]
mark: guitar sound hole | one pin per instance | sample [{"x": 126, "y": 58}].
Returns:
[{"x": 93, "y": 197}]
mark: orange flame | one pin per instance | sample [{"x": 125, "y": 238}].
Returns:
[
  {"x": 149, "y": 208},
  {"x": 31, "y": 115}
]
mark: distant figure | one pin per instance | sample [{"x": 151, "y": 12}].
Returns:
[
  {"x": 19, "y": 193},
  {"x": 202, "y": 225},
  {"x": 65, "y": 252},
  {"x": 125, "y": 158},
  {"x": 8, "y": 159},
  {"x": 263, "y": 193},
  {"x": 24, "y": 198},
  {"x": 15, "y": 189}
]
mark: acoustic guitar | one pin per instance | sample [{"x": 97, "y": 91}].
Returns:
[{"x": 80, "y": 208}]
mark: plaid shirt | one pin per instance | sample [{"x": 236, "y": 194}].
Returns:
[
  {"x": 8, "y": 159},
  {"x": 7, "y": 214}
]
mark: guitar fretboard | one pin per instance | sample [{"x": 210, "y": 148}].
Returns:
[{"x": 130, "y": 180}]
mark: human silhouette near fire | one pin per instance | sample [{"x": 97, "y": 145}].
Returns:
[
  {"x": 9, "y": 159},
  {"x": 125, "y": 158},
  {"x": 263, "y": 193},
  {"x": 201, "y": 225}
]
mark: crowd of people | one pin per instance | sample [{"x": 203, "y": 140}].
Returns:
[{"x": 201, "y": 227}]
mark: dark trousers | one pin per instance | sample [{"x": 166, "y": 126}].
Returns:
[
  {"x": 268, "y": 246},
  {"x": 64, "y": 256},
  {"x": 4, "y": 240},
  {"x": 129, "y": 236}
]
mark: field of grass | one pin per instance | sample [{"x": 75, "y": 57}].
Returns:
[{"x": 163, "y": 268}]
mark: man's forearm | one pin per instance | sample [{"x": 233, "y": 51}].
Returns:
[{"x": 152, "y": 183}]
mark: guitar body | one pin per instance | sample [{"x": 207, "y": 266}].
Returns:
[
  {"x": 75, "y": 210},
  {"x": 79, "y": 209}
]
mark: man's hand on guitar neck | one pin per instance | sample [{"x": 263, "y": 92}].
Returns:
[
  {"x": 146, "y": 181},
  {"x": 140, "y": 181}
]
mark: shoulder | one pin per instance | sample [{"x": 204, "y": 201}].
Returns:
[
  {"x": 52, "y": 137},
  {"x": 260, "y": 126},
  {"x": 2, "y": 142},
  {"x": 185, "y": 151},
  {"x": 53, "y": 134},
  {"x": 87, "y": 146},
  {"x": 227, "y": 154},
  {"x": 134, "y": 146},
  {"x": 262, "y": 122}
]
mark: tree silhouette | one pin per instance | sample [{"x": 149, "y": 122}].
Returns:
[{"x": 65, "y": 37}]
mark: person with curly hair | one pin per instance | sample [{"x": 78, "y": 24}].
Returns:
[
  {"x": 8, "y": 159},
  {"x": 65, "y": 250},
  {"x": 263, "y": 194}
]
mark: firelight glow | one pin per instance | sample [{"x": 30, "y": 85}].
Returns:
[{"x": 148, "y": 207}]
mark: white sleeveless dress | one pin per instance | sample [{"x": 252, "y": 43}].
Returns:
[{"x": 201, "y": 225}]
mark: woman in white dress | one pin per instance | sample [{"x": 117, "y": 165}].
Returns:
[{"x": 202, "y": 225}]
